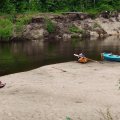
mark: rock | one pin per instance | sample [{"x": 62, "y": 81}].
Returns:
[
  {"x": 115, "y": 14},
  {"x": 75, "y": 35},
  {"x": 94, "y": 34},
  {"x": 33, "y": 34},
  {"x": 86, "y": 34},
  {"x": 66, "y": 36},
  {"x": 58, "y": 37},
  {"x": 100, "y": 31},
  {"x": 33, "y": 31},
  {"x": 105, "y": 14}
]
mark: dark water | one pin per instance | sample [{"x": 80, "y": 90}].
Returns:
[{"x": 23, "y": 56}]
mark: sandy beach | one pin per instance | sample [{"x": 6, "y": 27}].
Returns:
[{"x": 65, "y": 91}]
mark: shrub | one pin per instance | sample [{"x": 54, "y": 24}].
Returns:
[
  {"x": 20, "y": 22},
  {"x": 23, "y": 20},
  {"x": 50, "y": 26},
  {"x": 74, "y": 29},
  {"x": 104, "y": 7},
  {"x": 6, "y": 28}
]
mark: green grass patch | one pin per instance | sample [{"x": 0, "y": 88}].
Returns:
[
  {"x": 74, "y": 29},
  {"x": 93, "y": 13},
  {"x": 68, "y": 118},
  {"x": 50, "y": 26},
  {"x": 21, "y": 21},
  {"x": 6, "y": 28}
]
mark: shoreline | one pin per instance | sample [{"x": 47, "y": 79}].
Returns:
[
  {"x": 55, "y": 92},
  {"x": 64, "y": 26}
]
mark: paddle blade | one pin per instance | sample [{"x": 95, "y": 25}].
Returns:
[{"x": 76, "y": 55}]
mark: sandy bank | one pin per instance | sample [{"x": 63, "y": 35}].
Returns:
[{"x": 54, "y": 92}]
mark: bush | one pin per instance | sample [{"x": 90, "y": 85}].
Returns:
[
  {"x": 74, "y": 29},
  {"x": 6, "y": 28},
  {"x": 104, "y": 7},
  {"x": 20, "y": 22},
  {"x": 23, "y": 20},
  {"x": 50, "y": 26}
]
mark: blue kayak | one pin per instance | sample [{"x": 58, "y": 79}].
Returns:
[{"x": 111, "y": 57}]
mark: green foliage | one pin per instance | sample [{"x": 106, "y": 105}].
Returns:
[
  {"x": 7, "y": 7},
  {"x": 33, "y": 6},
  {"x": 6, "y": 28},
  {"x": 68, "y": 118},
  {"x": 21, "y": 6},
  {"x": 105, "y": 7},
  {"x": 13, "y": 7},
  {"x": 21, "y": 22},
  {"x": 74, "y": 29},
  {"x": 50, "y": 26},
  {"x": 93, "y": 13}
]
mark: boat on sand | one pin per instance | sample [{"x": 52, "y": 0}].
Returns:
[{"x": 110, "y": 57}]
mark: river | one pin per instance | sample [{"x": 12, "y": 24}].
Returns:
[{"x": 23, "y": 56}]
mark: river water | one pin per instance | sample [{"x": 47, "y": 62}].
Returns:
[{"x": 23, "y": 56}]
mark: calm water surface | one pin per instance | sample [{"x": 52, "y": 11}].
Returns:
[{"x": 23, "y": 56}]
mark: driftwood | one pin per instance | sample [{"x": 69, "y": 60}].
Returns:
[
  {"x": 38, "y": 19},
  {"x": 66, "y": 13},
  {"x": 76, "y": 15}
]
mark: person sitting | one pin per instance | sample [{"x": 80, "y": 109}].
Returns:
[
  {"x": 82, "y": 58},
  {"x": 81, "y": 55}
]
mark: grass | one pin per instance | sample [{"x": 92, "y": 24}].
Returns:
[
  {"x": 74, "y": 29},
  {"x": 106, "y": 115},
  {"x": 6, "y": 28},
  {"x": 21, "y": 21},
  {"x": 93, "y": 13},
  {"x": 50, "y": 26},
  {"x": 68, "y": 118}
]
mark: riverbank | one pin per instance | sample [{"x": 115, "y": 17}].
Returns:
[
  {"x": 57, "y": 27},
  {"x": 62, "y": 91}
]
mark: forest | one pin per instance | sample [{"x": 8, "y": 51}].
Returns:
[{"x": 23, "y": 6}]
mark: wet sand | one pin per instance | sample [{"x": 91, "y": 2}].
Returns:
[{"x": 62, "y": 91}]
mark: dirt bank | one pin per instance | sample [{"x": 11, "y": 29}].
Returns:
[
  {"x": 71, "y": 25},
  {"x": 62, "y": 91}
]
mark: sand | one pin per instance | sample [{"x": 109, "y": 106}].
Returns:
[{"x": 65, "y": 91}]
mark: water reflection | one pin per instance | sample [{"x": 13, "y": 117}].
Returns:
[{"x": 22, "y": 56}]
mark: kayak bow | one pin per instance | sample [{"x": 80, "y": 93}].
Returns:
[{"x": 111, "y": 57}]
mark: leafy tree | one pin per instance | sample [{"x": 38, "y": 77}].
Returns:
[{"x": 20, "y": 6}]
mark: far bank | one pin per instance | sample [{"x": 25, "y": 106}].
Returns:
[{"x": 64, "y": 26}]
